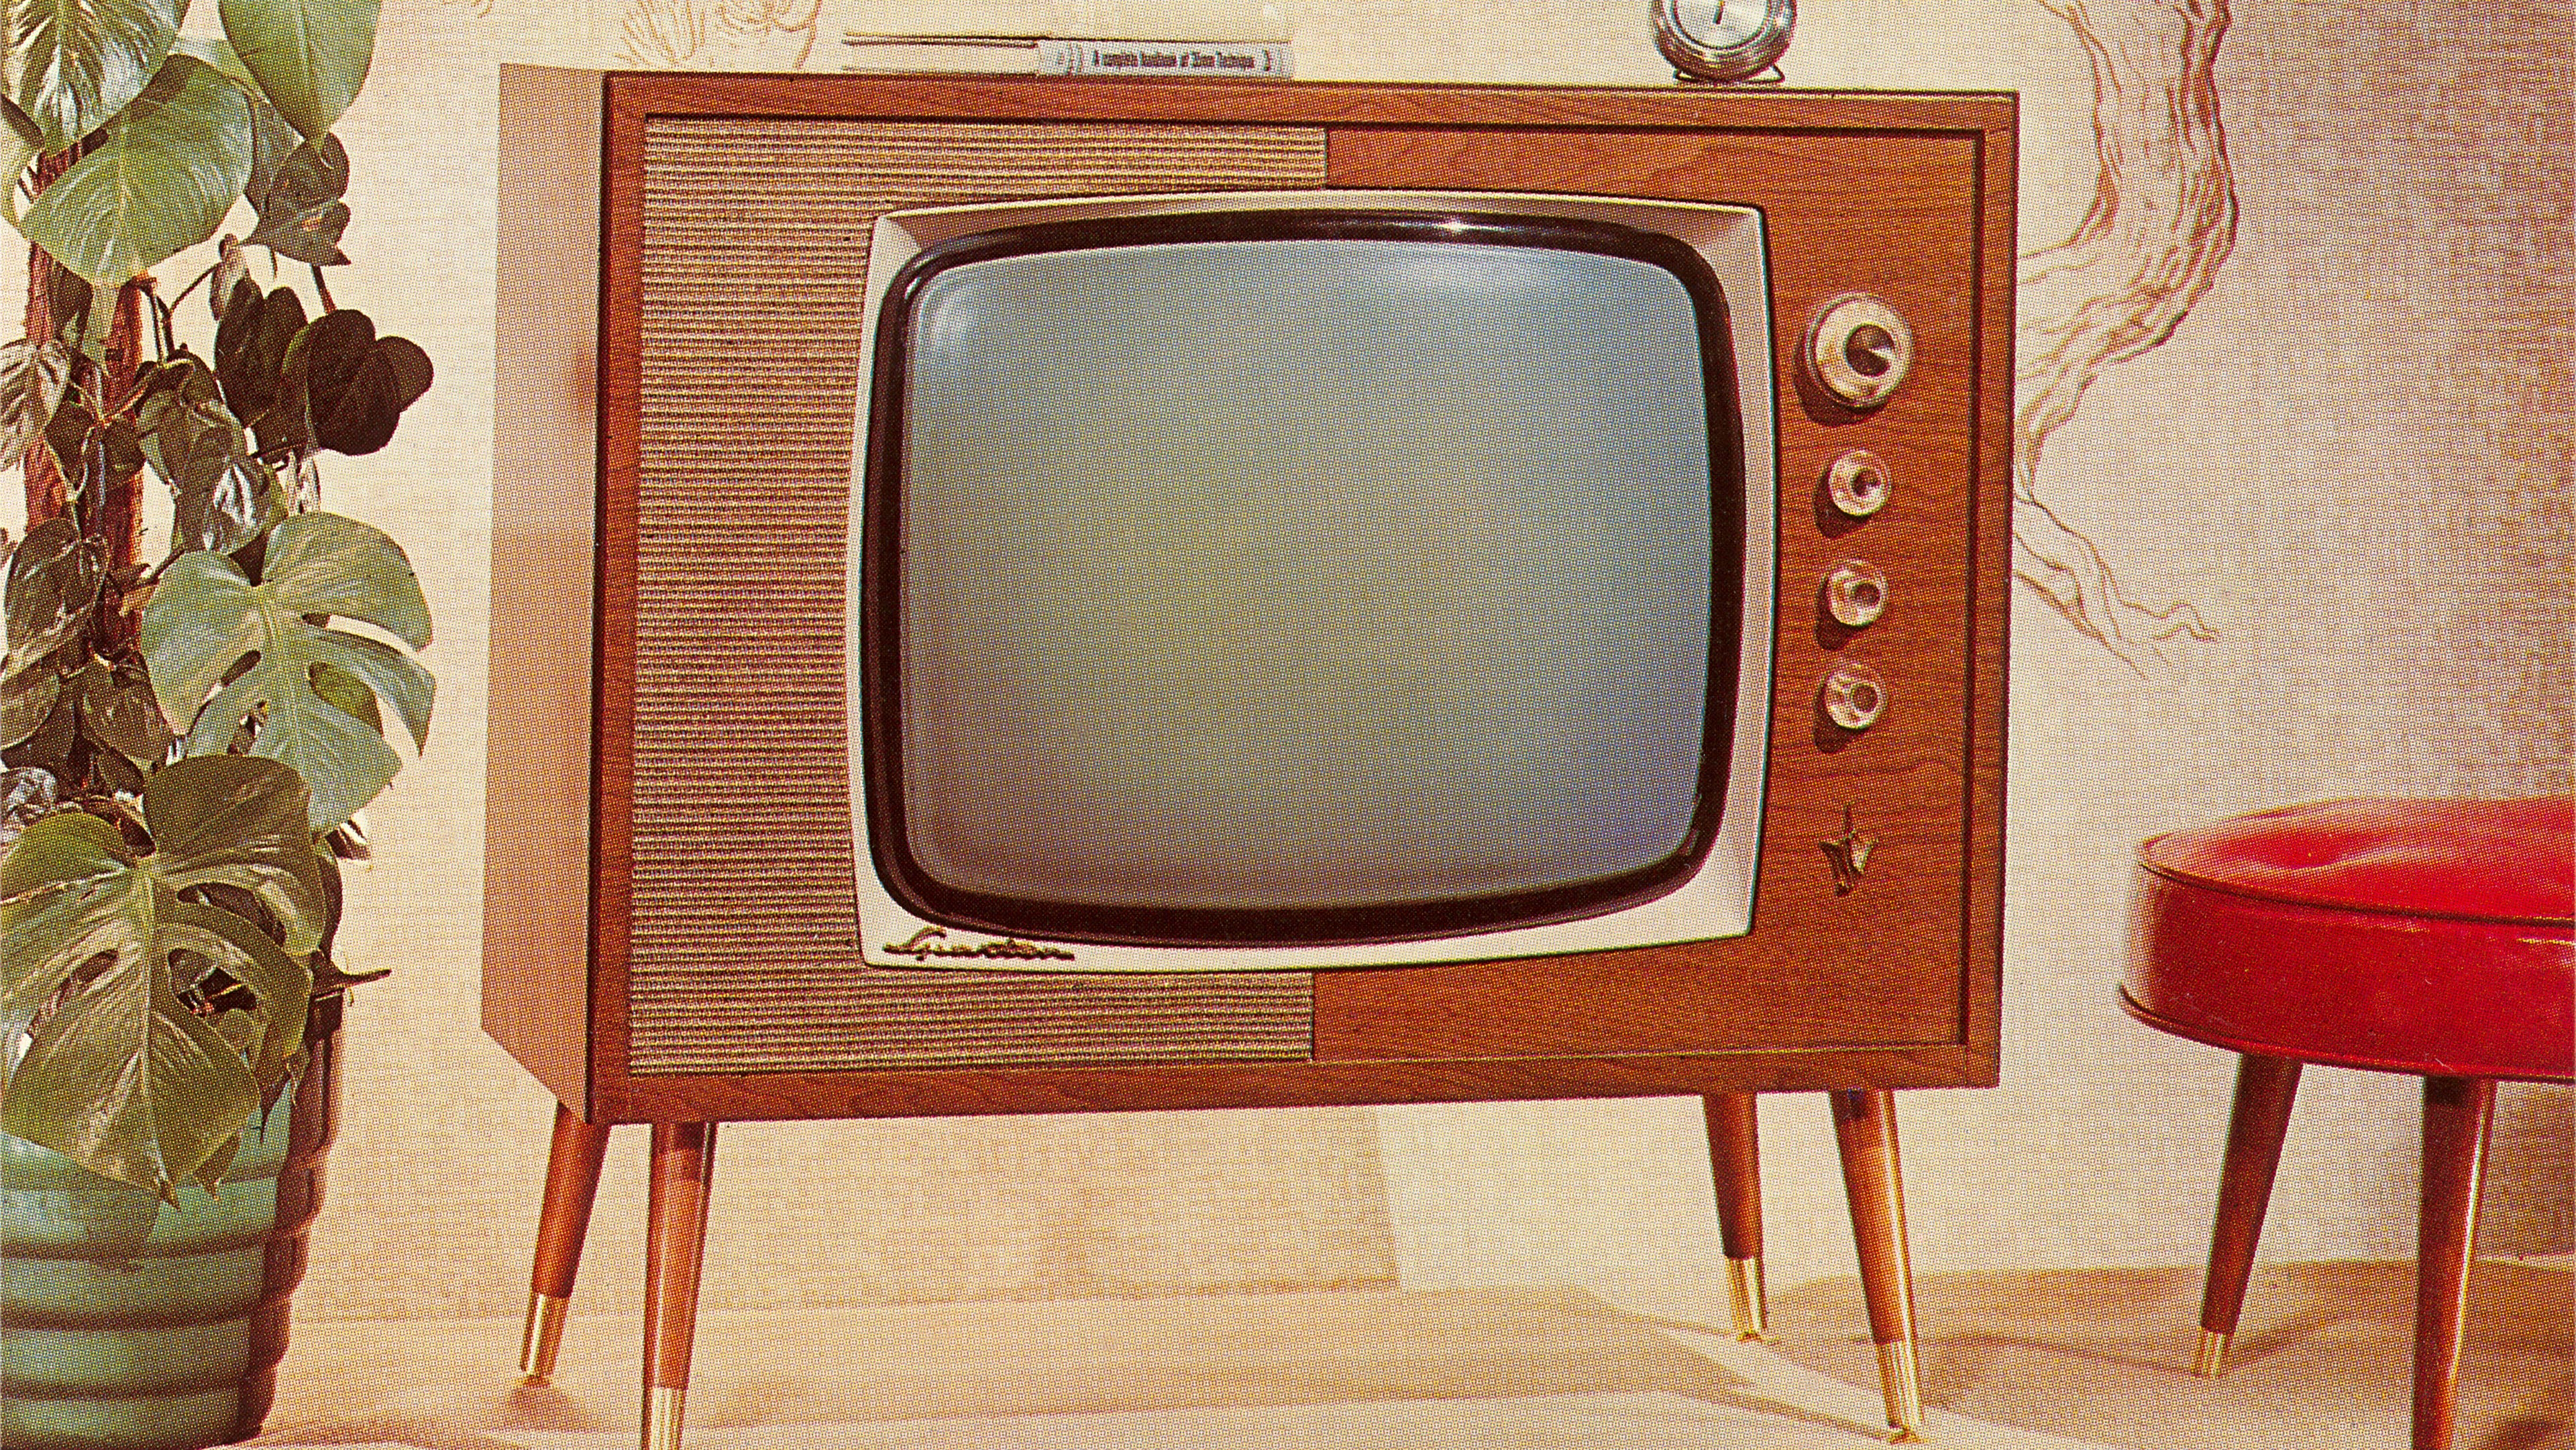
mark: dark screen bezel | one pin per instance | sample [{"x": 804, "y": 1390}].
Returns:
[{"x": 880, "y": 623}]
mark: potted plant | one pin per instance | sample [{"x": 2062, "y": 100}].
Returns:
[{"x": 184, "y": 742}]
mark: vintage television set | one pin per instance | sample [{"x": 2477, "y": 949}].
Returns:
[{"x": 1033, "y": 596}]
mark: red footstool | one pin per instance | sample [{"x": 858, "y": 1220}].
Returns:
[{"x": 2422, "y": 936}]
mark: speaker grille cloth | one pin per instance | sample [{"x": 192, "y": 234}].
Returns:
[{"x": 744, "y": 951}]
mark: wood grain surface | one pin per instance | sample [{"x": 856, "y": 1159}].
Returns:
[{"x": 595, "y": 900}]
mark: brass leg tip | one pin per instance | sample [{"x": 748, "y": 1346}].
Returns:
[
  {"x": 542, "y": 1342},
  {"x": 1744, "y": 1298},
  {"x": 662, "y": 1418},
  {"x": 1903, "y": 1386},
  {"x": 2210, "y": 1360}
]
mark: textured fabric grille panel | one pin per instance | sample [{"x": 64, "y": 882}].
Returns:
[{"x": 743, "y": 955}]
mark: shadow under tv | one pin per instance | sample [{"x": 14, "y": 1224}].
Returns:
[{"x": 708, "y": 744}]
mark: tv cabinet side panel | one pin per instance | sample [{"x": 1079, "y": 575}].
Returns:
[{"x": 538, "y": 790}]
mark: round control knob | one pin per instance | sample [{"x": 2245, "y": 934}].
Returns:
[
  {"x": 1858, "y": 350},
  {"x": 1853, "y": 696},
  {"x": 1856, "y": 593},
  {"x": 1859, "y": 483}
]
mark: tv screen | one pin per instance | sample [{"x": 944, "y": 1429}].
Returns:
[{"x": 1277, "y": 577}]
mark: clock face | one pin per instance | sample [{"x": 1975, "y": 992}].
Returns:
[
  {"x": 1723, "y": 40},
  {"x": 1722, "y": 25}
]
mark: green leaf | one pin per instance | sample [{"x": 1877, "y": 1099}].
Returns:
[
  {"x": 326, "y": 564},
  {"x": 232, "y": 273},
  {"x": 271, "y": 142},
  {"x": 239, "y": 821},
  {"x": 54, "y": 582},
  {"x": 71, "y": 306},
  {"x": 32, "y": 378},
  {"x": 349, "y": 693},
  {"x": 121, "y": 1075},
  {"x": 226, "y": 654},
  {"x": 19, "y": 145},
  {"x": 266, "y": 1039},
  {"x": 210, "y": 1174},
  {"x": 28, "y": 703},
  {"x": 129, "y": 1083},
  {"x": 250, "y": 356},
  {"x": 225, "y": 496},
  {"x": 301, "y": 215},
  {"x": 354, "y": 384},
  {"x": 165, "y": 171},
  {"x": 219, "y": 53},
  {"x": 118, "y": 711},
  {"x": 69, "y": 65},
  {"x": 120, "y": 448},
  {"x": 68, "y": 434},
  {"x": 310, "y": 56},
  {"x": 27, "y": 795}
]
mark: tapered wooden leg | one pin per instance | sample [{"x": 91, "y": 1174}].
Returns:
[
  {"x": 572, "y": 1185},
  {"x": 1735, "y": 1152},
  {"x": 2265, "y": 1089},
  {"x": 2457, "y": 1114},
  {"x": 1865, "y": 1129},
  {"x": 675, "y": 1241}
]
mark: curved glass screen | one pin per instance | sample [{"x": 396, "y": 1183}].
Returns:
[{"x": 1298, "y": 577}]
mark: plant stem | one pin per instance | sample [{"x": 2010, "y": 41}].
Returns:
[
  {"x": 120, "y": 523},
  {"x": 45, "y": 498},
  {"x": 117, "y": 522}
]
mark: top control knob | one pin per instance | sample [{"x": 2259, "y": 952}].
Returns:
[{"x": 1858, "y": 349}]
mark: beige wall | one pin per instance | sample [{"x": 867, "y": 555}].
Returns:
[{"x": 2353, "y": 460}]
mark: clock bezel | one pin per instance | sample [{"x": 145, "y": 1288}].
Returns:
[{"x": 1742, "y": 61}]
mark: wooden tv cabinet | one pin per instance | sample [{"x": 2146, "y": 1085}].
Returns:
[{"x": 669, "y": 932}]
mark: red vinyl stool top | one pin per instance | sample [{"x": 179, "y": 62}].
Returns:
[{"x": 2422, "y": 936}]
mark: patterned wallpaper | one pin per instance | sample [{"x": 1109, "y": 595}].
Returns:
[{"x": 2295, "y": 481}]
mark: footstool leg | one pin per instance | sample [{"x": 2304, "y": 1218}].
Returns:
[
  {"x": 2265, "y": 1089},
  {"x": 2457, "y": 1114},
  {"x": 1735, "y": 1151},
  {"x": 1865, "y": 1130},
  {"x": 563, "y": 1222}
]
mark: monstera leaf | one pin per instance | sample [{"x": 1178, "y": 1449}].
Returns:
[
  {"x": 227, "y": 655},
  {"x": 123, "y": 1073}
]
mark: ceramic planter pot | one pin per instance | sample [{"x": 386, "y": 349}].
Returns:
[{"x": 167, "y": 1336}]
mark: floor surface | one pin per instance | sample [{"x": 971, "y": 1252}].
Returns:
[{"x": 2071, "y": 1361}]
